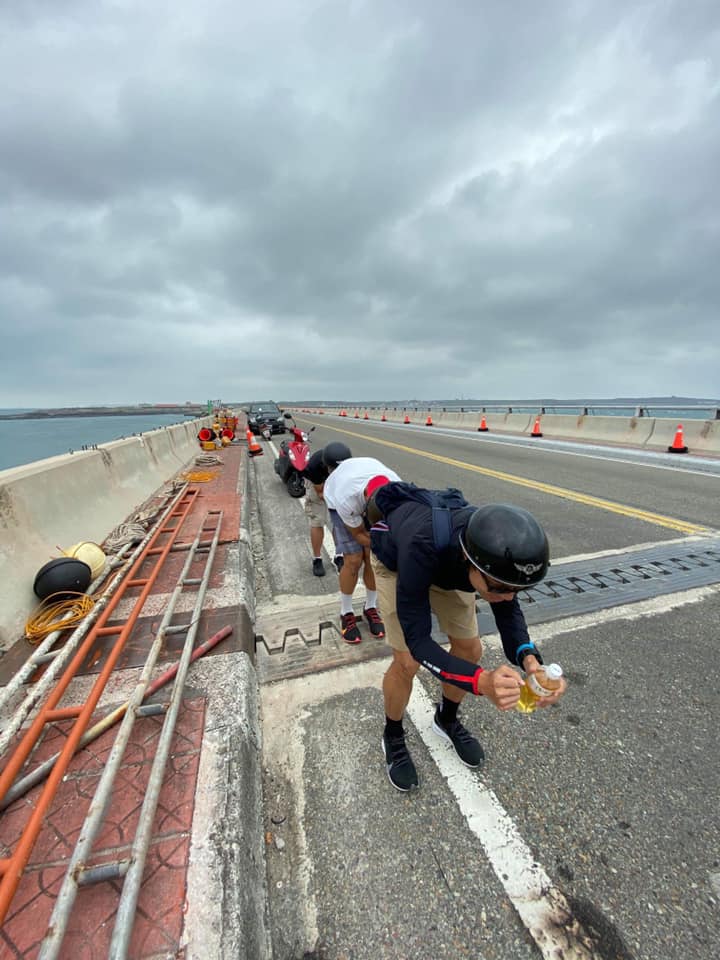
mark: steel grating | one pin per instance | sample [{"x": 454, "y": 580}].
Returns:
[
  {"x": 295, "y": 643},
  {"x": 586, "y": 586}
]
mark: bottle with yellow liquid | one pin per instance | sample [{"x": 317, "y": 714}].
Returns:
[{"x": 543, "y": 683}]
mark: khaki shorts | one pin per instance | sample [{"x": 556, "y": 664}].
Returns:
[
  {"x": 315, "y": 508},
  {"x": 454, "y": 609}
]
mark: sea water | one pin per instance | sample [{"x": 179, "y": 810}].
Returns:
[{"x": 25, "y": 441}]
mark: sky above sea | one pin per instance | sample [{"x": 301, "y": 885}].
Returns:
[{"x": 350, "y": 200}]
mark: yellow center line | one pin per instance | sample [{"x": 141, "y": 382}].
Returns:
[{"x": 657, "y": 518}]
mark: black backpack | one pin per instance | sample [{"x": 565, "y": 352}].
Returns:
[{"x": 390, "y": 496}]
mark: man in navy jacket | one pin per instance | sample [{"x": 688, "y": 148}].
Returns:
[{"x": 494, "y": 551}]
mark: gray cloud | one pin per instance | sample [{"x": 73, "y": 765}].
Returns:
[{"x": 358, "y": 200}]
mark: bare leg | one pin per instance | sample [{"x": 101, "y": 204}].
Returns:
[
  {"x": 397, "y": 683},
  {"x": 350, "y": 570},
  {"x": 368, "y": 572},
  {"x": 316, "y": 540}
]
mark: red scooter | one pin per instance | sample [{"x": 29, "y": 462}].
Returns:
[{"x": 293, "y": 458}]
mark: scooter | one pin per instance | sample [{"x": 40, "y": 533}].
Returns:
[{"x": 293, "y": 458}]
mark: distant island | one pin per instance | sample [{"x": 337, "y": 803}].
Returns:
[{"x": 144, "y": 410}]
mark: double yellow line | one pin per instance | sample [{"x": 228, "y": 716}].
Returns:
[{"x": 657, "y": 518}]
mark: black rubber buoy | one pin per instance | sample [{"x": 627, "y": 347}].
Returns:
[{"x": 61, "y": 575}]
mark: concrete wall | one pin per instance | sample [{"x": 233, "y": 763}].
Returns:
[
  {"x": 81, "y": 496},
  {"x": 702, "y": 437}
]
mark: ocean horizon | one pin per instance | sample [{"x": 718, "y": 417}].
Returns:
[{"x": 27, "y": 441}]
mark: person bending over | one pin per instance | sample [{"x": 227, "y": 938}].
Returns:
[
  {"x": 346, "y": 492},
  {"x": 495, "y": 551},
  {"x": 315, "y": 475}
]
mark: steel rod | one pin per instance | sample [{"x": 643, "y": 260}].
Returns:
[
  {"x": 26, "y": 842},
  {"x": 57, "y": 926},
  {"x": 125, "y": 916},
  {"x": 21, "y": 787}
]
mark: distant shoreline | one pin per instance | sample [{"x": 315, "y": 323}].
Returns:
[{"x": 106, "y": 412}]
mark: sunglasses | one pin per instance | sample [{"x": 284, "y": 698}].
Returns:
[{"x": 495, "y": 587}]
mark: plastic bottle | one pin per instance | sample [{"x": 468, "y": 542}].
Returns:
[{"x": 543, "y": 683}]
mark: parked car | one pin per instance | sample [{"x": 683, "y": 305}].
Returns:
[{"x": 265, "y": 412}]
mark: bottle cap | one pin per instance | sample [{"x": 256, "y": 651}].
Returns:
[{"x": 553, "y": 671}]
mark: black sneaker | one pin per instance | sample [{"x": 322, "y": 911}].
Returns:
[
  {"x": 465, "y": 744},
  {"x": 318, "y": 567},
  {"x": 400, "y": 768},
  {"x": 377, "y": 627},
  {"x": 339, "y": 561},
  {"x": 350, "y": 631}
]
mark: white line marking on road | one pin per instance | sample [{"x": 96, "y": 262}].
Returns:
[
  {"x": 627, "y": 611},
  {"x": 618, "y": 551},
  {"x": 542, "y": 908}
]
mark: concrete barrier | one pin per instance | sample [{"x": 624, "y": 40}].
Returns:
[
  {"x": 651, "y": 433},
  {"x": 700, "y": 436},
  {"x": 54, "y": 503}
]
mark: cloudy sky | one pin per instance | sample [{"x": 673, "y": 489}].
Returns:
[{"x": 358, "y": 199}]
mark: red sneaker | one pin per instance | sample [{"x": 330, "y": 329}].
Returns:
[
  {"x": 350, "y": 631},
  {"x": 377, "y": 627}
]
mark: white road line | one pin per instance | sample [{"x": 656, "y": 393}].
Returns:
[
  {"x": 542, "y": 908},
  {"x": 619, "y": 551}
]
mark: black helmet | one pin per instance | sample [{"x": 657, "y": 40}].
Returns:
[
  {"x": 335, "y": 452},
  {"x": 61, "y": 575},
  {"x": 507, "y": 543}
]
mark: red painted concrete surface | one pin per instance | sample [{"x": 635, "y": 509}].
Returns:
[{"x": 158, "y": 927}]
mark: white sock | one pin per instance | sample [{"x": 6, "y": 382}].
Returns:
[
  {"x": 345, "y": 603},
  {"x": 371, "y": 600}
]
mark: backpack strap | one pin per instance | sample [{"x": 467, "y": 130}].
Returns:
[
  {"x": 442, "y": 502},
  {"x": 442, "y": 526}
]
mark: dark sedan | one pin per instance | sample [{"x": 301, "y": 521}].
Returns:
[{"x": 265, "y": 413}]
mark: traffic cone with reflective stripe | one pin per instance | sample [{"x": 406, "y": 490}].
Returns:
[
  {"x": 536, "y": 432},
  {"x": 343, "y": 413},
  {"x": 428, "y": 422},
  {"x": 357, "y": 415},
  {"x": 383, "y": 418},
  {"x": 254, "y": 448},
  {"x": 678, "y": 445},
  {"x": 407, "y": 419},
  {"x": 483, "y": 425},
  {"x": 366, "y": 417}
]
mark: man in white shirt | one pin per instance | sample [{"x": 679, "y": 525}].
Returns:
[{"x": 346, "y": 491}]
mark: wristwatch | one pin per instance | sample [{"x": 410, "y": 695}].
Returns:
[{"x": 525, "y": 650}]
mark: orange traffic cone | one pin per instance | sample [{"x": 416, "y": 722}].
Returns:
[
  {"x": 357, "y": 415},
  {"x": 428, "y": 422},
  {"x": 483, "y": 425},
  {"x": 254, "y": 448},
  {"x": 383, "y": 418},
  {"x": 536, "y": 432},
  {"x": 407, "y": 419},
  {"x": 343, "y": 413},
  {"x": 678, "y": 445},
  {"x": 366, "y": 417}
]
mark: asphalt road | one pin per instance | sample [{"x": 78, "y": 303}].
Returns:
[{"x": 593, "y": 829}]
